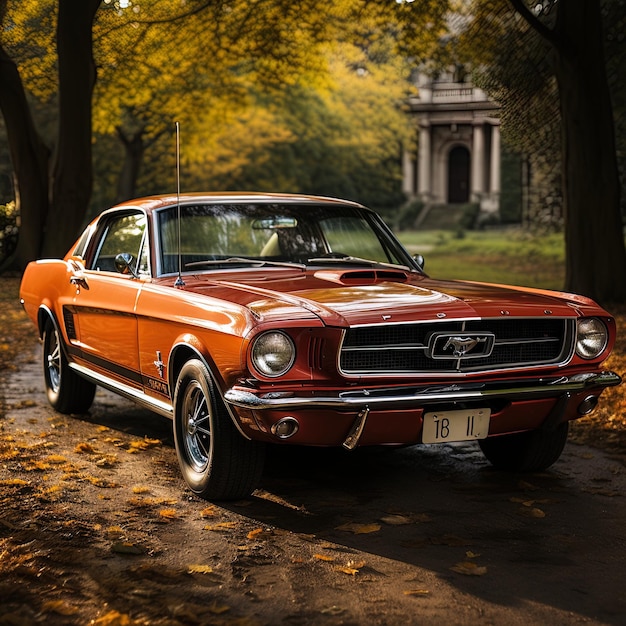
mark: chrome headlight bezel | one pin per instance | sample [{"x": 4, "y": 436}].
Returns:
[
  {"x": 273, "y": 353},
  {"x": 592, "y": 337}
]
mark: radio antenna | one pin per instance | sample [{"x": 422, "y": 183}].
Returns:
[{"x": 179, "y": 281}]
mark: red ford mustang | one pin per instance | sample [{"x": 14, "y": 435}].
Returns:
[{"x": 264, "y": 318}]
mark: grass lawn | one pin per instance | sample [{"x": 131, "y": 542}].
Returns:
[{"x": 511, "y": 256}]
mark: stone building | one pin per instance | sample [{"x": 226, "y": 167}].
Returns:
[{"x": 458, "y": 155}]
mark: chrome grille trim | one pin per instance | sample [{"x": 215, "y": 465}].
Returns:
[{"x": 403, "y": 348}]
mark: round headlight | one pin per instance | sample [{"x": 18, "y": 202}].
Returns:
[
  {"x": 592, "y": 338},
  {"x": 273, "y": 353}
]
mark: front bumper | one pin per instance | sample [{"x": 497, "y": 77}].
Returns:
[{"x": 394, "y": 397}]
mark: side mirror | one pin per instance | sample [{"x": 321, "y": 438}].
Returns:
[
  {"x": 420, "y": 260},
  {"x": 124, "y": 264}
]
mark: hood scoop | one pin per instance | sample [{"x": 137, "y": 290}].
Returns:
[{"x": 362, "y": 276}]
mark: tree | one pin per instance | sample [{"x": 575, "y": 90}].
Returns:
[
  {"x": 591, "y": 188},
  {"x": 572, "y": 36},
  {"x": 52, "y": 213}
]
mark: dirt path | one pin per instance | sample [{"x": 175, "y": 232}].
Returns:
[{"x": 97, "y": 526}]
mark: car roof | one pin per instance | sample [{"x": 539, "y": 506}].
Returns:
[{"x": 151, "y": 203}]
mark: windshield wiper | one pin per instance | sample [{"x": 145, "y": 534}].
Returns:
[{"x": 241, "y": 260}]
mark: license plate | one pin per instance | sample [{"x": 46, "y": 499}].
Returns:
[{"x": 461, "y": 425}]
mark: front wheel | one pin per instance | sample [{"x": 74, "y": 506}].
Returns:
[
  {"x": 216, "y": 461},
  {"x": 67, "y": 392},
  {"x": 530, "y": 451}
]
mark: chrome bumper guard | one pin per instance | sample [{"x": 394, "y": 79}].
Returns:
[{"x": 392, "y": 397}]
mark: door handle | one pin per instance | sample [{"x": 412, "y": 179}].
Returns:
[{"x": 79, "y": 281}]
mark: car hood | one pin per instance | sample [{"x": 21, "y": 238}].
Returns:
[{"x": 354, "y": 297}]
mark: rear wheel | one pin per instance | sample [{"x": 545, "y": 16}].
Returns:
[
  {"x": 530, "y": 451},
  {"x": 67, "y": 392},
  {"x": 216, "y": 461}
]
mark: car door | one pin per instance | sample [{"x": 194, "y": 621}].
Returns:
[{"x": 105, "y": 302}]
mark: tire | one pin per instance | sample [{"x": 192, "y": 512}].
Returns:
[
  {"x": 67, "y": 392},
  {"x": 530, "y": 451},
  {"x": 216, "y": 461}
]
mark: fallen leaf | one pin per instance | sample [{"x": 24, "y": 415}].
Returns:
[
  {"x": 471, "y": 555},
  {"x": 168, "y": 513},
  {"x": 416, "y": 592},
  {"x": 352, "y": 571},
  {"x": 468, "y": 568},
  {"x": 14, "y": 482},
  {"x": 107, "y": 461},
  {"x": 222, "y": 526},
  {"x": 208, "y": 512},
  {"x": 359, "y": 529},
  {"x": 114, "y": 531},
  {"x": 56, "y": 459},
  {"x": 101, "y": 482},
  {"x": 255, "y": 534},
  {"x": 84, "y": 448},
  {"x": 396, "y": 520},
  {"x": 141, "y": 489},
  {"x": 200, "y": 569},
  {"x": 324, "y": 557},
  {"x": 124, "y": 547}
]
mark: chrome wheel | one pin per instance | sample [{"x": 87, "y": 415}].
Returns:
[
  {"x": 196, "y": 426},
  {"x": 53, "y": 359},
  {"x": 67, "y": 392},
  {"x": 216, "y": 460}
]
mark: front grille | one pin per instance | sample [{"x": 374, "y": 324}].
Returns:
[{"x": 408, "y": 348}]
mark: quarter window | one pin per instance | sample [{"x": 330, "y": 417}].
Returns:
[{"x": 125, "y": 233}]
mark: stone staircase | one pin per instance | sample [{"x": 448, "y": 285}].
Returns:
[{"x": 446, "y": 217}]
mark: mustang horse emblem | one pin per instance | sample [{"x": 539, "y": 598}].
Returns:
[{"x": 462, "y": 345}]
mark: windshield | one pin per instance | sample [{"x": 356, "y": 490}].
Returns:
[{"x": 212, "y": 235}]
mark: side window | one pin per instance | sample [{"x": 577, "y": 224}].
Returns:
[{"x": 123, "y": 234}]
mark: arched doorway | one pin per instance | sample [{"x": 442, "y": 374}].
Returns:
[{"x": 458, "y": 175}]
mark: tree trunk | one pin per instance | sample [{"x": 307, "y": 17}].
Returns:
[
  {"x": 594, "y": 238},
  {"x": 30, "y": 159},
  {"x": 72, "y": 176},
  {"x": 133, "y": 155}
]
